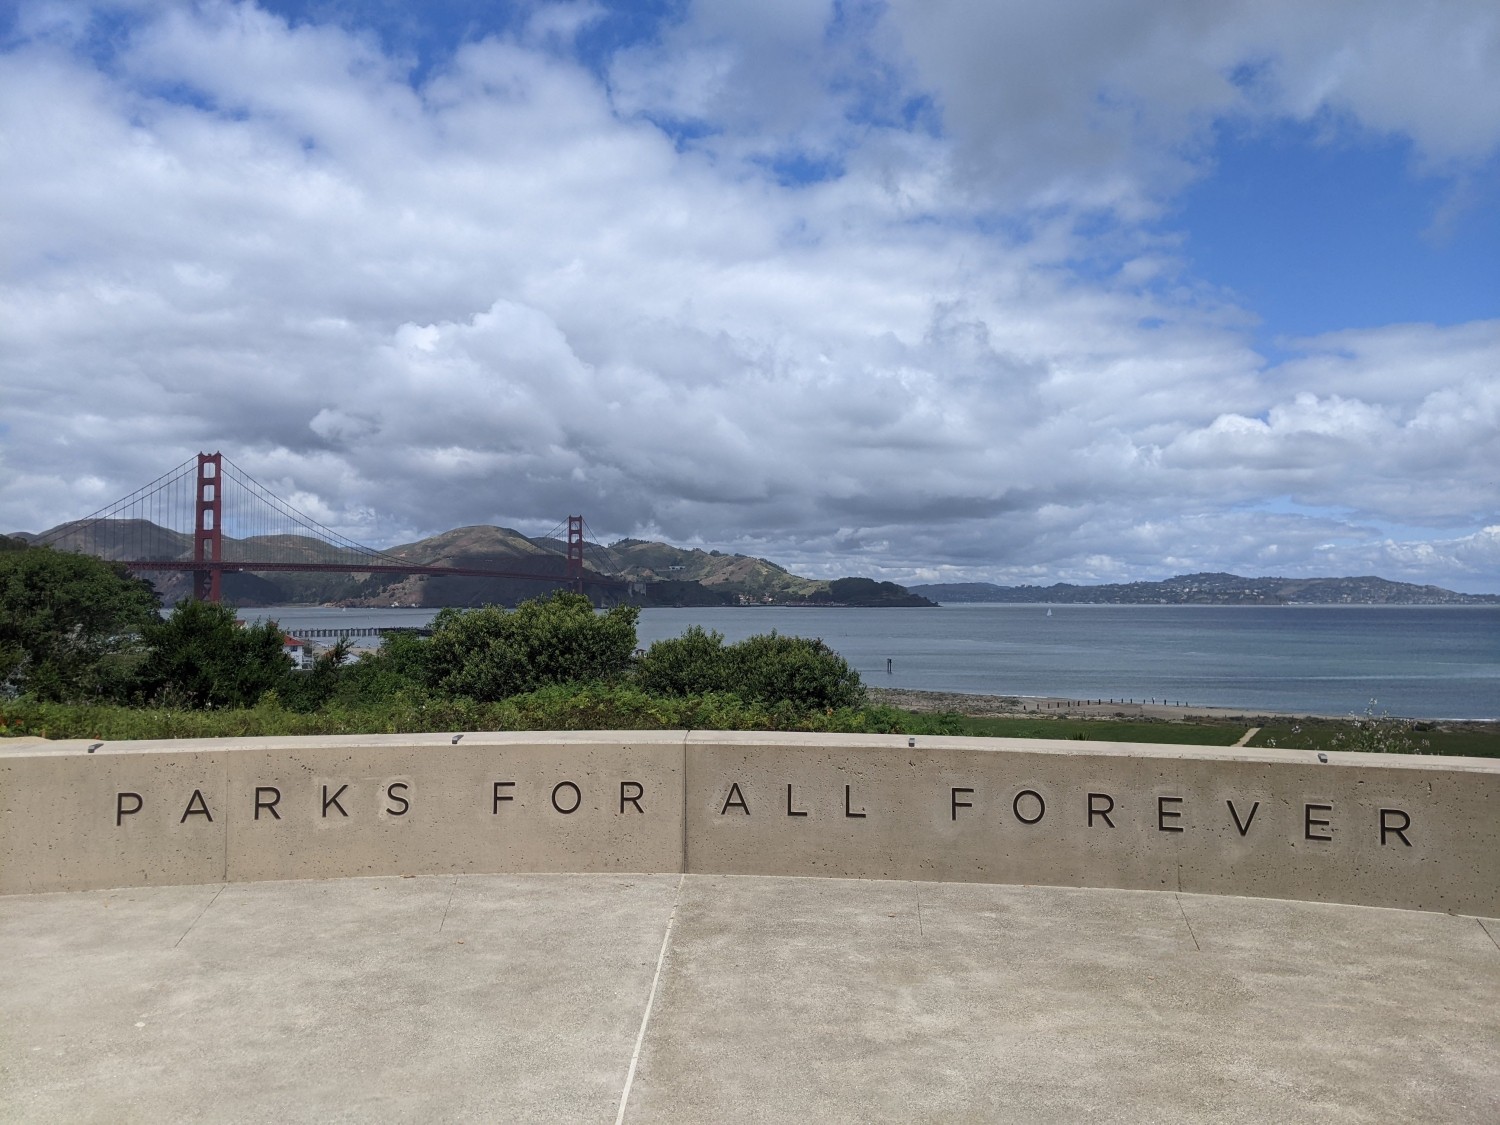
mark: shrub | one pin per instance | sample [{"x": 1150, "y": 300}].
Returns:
[
  {"x": 489, "y": 654},
  {"x": 768, "y": 669},
  {"x": 314, "y": 687},
  {"x": 687, "y": 665},
  {"x": 397, "y": 667},
  {"x": 201, "y": 656}
]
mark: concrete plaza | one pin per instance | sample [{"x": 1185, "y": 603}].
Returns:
[{"x": 715, "y": 998}]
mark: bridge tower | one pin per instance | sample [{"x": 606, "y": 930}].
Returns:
[
  {"x": 575, "y": 553},
  {"x": 208, "y": 527}
]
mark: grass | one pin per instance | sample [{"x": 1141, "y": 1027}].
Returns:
[
  {"x": 1467, "y": 739},
  {"x": 1471, "y": 740},
  {"x": 625, "y": 707}
]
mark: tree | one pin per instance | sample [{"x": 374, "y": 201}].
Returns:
[
  {"x": 69, "y": 624},
  {"x": 203, "y": 657},
  {"x": 489, "y": 654}
]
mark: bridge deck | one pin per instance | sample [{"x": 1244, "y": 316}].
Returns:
[
  {"x": 357, "y": 566},
  {"x": 522, "y": 997}
]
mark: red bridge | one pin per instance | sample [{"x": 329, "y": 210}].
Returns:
[{"x": 148, "y": 531}]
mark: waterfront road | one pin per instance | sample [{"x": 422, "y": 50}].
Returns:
[{"x": 700, "y": 998}]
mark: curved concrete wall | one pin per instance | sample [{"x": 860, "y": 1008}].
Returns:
[{"x": 1412, "y": 832}]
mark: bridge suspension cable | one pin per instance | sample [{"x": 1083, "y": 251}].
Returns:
[
  {"x": 157, "y": 522},
  {"x": 130, "y": 527},
  {"x": 254, "y": 512}
]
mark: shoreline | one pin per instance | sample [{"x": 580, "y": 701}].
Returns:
[{"x": 1059, "y": 706}]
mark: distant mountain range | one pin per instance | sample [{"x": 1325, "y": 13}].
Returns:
[
  {"x": 667, "y": 575},
  {"x": 1213, "y": 589}
]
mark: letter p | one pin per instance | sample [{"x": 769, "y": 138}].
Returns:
[{"x": 122, "y": 810}]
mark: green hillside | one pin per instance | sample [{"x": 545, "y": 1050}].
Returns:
[{"x": 743, "y": 577}]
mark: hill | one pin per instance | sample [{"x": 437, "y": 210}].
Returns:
[
  {"x": 742, "y": 579},
  {"x": 736, "y": 579},
  {"x": 1213, "y": 589},
  {"x": 479, "y": 546},
  {"x": 660, "y": 574},
  {"x": 869, "y": 593}
]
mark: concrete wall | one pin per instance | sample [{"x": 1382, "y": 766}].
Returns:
[
  {"x": 1420, "y": 833},
  {"x": 206, "y": 811}
]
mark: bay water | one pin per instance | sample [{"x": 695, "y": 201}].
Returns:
[{"x": 1417, "y": 661}]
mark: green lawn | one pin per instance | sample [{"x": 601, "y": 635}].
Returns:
[
  {"x": 1471, "y": 740},
  {"x": 1474, "y": 740}
]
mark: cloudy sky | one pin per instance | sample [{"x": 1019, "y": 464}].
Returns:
[{"x": 922, "y": 289}]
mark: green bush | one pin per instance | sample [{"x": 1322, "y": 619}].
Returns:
[
  {"x": 687, "y": 665},
  {"x": 397, "y": 667},
  {"x": 489, "y": 654},
  {"x": 768, "y": 669}
]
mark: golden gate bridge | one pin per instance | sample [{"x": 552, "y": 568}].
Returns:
[{"x": 209, "y": 517}]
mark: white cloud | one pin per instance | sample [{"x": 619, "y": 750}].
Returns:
[
  {"x": 506, "y": 295},
  {"x": 1104, "y": 105}
]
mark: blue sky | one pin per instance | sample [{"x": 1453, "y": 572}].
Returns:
[
  {"x": 1316, "y": 233},
  {"x": 927, "y": 290},
  {"x": 431, "y": 32}
]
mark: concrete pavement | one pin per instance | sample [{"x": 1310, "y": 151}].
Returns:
[{"x": 526, "y": 997}]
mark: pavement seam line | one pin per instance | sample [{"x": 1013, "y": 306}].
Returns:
[
  {"x": 640, "y": 1036},
  {"x": 201, "y": 913},
  {"x": 1487, "y": 933},
  {"x": 1181, "y": 910}
]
